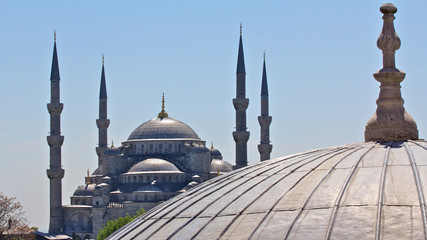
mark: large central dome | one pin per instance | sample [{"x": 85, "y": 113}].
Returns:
[{"x": 163, "y": 128}]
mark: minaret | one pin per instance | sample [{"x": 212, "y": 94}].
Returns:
[
  {"x": 241, "y": 135},
  {"x": 390, "y": 122},
  {"x": 55, "y": 172},
  {"x": 102, "y": 122},
  {"x": 264, "y": 120}
]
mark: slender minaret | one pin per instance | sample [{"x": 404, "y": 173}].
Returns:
[
  {"x": 55, "y": 172},
  {"x": 241, "y": 135},
  {"x": 264, "y": 120},
  {"x": 390, "y": 122},
  {"x": 102, "y": 122}
]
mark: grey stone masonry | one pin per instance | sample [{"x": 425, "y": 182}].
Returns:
[
  {"x": 102, "y": 123},
  {"x": 390, "y": 122},
  {"x": 241, "y": 135},
  {"x": 55, "y": 172},
  {"x": 264, "y": 120}
]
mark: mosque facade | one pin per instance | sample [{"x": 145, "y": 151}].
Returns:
[{"x": 162, "y": 158}]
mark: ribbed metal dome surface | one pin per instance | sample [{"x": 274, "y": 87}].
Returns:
[
  {"x": 356, "y": 191},
  {"x": 163, "y": 128},
  {"x": 153, "y": 165}
]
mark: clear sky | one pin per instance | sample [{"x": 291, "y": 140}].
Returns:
[{"x": 320, "y": 59}]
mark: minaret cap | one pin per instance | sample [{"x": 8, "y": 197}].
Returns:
[{"x": 163, "y": 113}]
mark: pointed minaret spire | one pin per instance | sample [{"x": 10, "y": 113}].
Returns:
[
  {"x": 102, "y": 122},
  {"x": 241, "y": 135},
  {"x": 241, "y": 57},
  {"x": 264, "y": 120},
  {"x": 390, "y": 122},
  {"x": 55, "y": 172},
  {"x": 54, "y": 73}
]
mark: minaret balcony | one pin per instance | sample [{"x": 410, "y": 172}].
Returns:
[
  {"x": 102, "y": 123},
  {"x": 240, "y": 103},
  {"x": 264, "y": 121},
  {"x": 264, "y": 148},
  {"x": 241, "y": 136},
  {"x": 55, "y": 173},
  {"x": 55, "y": 140},
  {"x": 55, "y": 108}
]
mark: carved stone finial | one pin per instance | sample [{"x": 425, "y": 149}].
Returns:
[{"x": 390, "y": 122}]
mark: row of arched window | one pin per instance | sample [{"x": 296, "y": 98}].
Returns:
[
  {"x": 150, "y": 178},
  {"x": 148, "y": 148}
]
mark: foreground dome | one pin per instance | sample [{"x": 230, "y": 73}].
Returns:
[
  {"x": 355, "y": 191},
  {"x": 163, "y": 128}
]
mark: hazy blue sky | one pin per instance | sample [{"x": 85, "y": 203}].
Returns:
[{"x": 320, "y": 59}]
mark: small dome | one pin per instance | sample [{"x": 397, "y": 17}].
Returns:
[
  {"x": 112, "y": 151},
  {"x": 199, "y": 149},
  {"x": 85, "y": 190},
  {"x": 221, "y": 166},
  {"x": 153, "y": 165},
  {"x": 215, "y": 153},
  {"x": 163, "y": 128}
]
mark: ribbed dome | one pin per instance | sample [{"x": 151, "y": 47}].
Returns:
[
  {"x": 163, "y": 128},
  {"x": 85, "y": 190},
  {"x": 153, "y": 165},
  {"x": 215, "y": 153},
  {"x": 355, "y": 191},
  {"x": 220, "y": 165}
]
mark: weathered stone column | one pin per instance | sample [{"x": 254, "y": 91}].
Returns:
[{"x": 390, "y": 122}]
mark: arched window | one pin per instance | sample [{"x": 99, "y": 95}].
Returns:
[
  {"x": 170, "y": 147},
  {"x": 151, "y": 148},
  {"x": 142, "y": 149},
  {"x": 160, "y": 148},
  {"x": 179, "y": 147}
]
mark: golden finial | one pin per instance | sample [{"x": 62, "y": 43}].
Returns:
[
  {"x": 163, "y": 114},
  {"x": 240, "y": 28},
  {"x": 264, "y": 55},
  {"x": 217, "y": 172},
  {"x": 87, "y": 178},
  {"x": 54, "y": 35},
  {"x": 112, "y": 143},
  {"x": 102, "y": 59},
  {"x": 212, "y": 145}
]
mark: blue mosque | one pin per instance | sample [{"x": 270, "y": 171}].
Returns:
[{"x": 162, "y": 158}]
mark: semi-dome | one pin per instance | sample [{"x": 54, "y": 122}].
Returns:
[
  {"x": 85, "y": 190},
  {"x": 355, "y": 191},
  {"x": 221, "y": 166},
  {"x": 163, "y": 128},
  {"x": 153, "y": 165}
]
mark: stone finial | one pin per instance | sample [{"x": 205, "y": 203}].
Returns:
[{"x": 390, "y": 122}]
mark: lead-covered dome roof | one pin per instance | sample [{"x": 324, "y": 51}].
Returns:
[
  {"x": 163, "y": 128},
  {"x": 356, "y": 191},
  {"x": 153, "y": 165}
]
